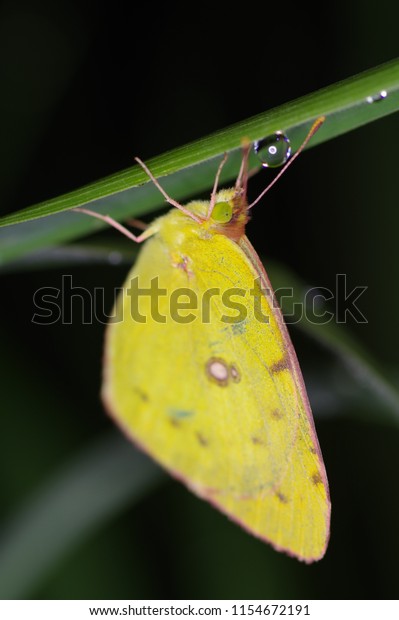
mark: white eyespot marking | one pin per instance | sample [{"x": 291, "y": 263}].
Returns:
[
  {"x": 217, "y": 371},
  {"x": 221, "y": 373}
]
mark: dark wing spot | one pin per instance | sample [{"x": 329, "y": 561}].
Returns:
[
  {"x": 312, "y": 450},
  {"x": 316, "y": 478},
  {"x": 257, "y": 441},
  {"x": 277, "y": 414},
  {"x": 141, "y": 394},
  {"x": 281, "y": 365},
  {"x": 201, "y": 440},
  {"x": 281, "y": 497}
]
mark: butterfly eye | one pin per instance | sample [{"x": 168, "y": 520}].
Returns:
[{"x": 222, "y": 212}]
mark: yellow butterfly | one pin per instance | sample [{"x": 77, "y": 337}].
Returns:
[{"x": 200, "y": 372}]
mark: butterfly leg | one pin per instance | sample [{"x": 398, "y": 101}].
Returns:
[
  {"x": 168, "y": 199},
  {"x": 110, "y": 220}
]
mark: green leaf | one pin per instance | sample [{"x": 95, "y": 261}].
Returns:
[
  {"x": 106, "y": 478},
  {"x": 90, "y": 252},
  {"x": 191, "y": 168}
]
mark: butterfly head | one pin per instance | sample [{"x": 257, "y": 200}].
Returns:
[{"x": 229, "y": 214}]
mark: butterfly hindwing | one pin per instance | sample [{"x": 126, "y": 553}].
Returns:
[{"x": 217, "y": 399}]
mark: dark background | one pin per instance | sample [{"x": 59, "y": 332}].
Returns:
[{"x": 85, "y": 89}]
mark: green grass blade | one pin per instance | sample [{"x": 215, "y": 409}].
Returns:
[
  {"x": 344, "y": 104},
  {"x": 98, "y": 484}
]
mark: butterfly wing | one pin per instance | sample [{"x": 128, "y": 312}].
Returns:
[{"x": 213, "y": 391}]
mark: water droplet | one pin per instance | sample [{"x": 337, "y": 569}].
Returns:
[
  {"x": 379, "y": 97},
  {"x": 274, "y": 150}
]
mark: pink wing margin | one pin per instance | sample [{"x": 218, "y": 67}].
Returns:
[{"x": 251, "y": 254}]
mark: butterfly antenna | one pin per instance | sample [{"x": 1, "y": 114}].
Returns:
[
  {"x": 242, "y": 179},
  {"x": 316, "y": 125},
  {"x": 215, "y": 187}
]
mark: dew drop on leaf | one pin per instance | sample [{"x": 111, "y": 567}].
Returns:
[
  {"x": 274, "y": 150},
  {"x": 378, "y": 97}
]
